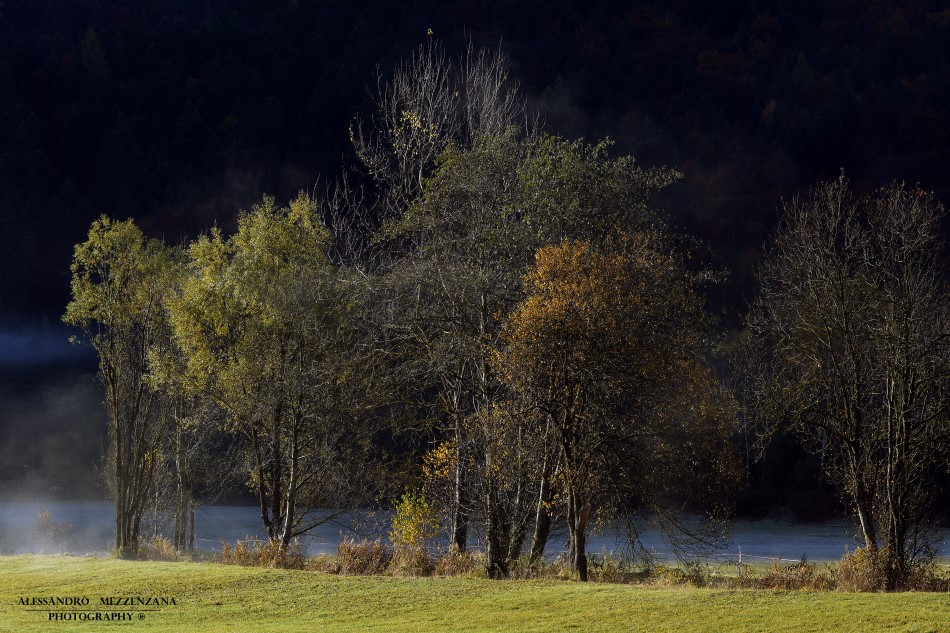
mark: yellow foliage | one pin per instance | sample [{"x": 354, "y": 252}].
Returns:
[
  {"x": 438, "y": 463},
  {"x": 414, "y": 522}
]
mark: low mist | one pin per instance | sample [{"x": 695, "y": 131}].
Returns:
[{"x": 52, "y": 434}]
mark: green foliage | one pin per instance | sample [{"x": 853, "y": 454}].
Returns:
[
  {"x": 117, "y": 277},
  {"x": 414, "y": 525},
  {"x": 119, "y": 284},
  {"x": 572, "y": 189},
  {"x": 248, "y": 293},
  {"x": 267, "y": 327}
]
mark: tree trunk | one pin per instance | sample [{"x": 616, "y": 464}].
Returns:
[
  {"x": 518, "y": 528},
  {"x": 183, "y": 504},
  {"x": 290, "y": 509},
  {"x": 191, "y": 528},
  {"x": 865, "y": 516},
  {"x": 581, "y": 514},
  {"x": 459, "y": 514},
  {"x": 277, "y": 477},
  {"x": 542, "y": 522},
  {"x": 497, "y": 563},
  {"x": 261, "y": 480}
]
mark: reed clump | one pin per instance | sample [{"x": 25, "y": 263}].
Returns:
[
  {"x": 362, "y": 558},
  {"x": 264, "y": 554}
]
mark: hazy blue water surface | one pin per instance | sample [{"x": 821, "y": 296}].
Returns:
[{"x": 87, "y": 527}]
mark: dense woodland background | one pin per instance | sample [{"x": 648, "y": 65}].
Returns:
[{"x": 181, "y": 113}]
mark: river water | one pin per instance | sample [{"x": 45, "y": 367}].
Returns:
[{"x": 86, "y": 527}]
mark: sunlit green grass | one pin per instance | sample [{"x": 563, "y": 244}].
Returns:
[{"x": 219, "y": 598}]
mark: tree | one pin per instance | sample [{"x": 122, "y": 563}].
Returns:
[
  {"x": 575, "y": 190},
  {"x": 469, "y": 191},
  {"x": 462, "y": 271},
  {"x": 430, "y": 102},
  {"x": 119, "y": 281},
  {"x": 198, "y": 456},
  {"x": 466, "y": 242},
  {"x": 848, "y": 347},
  {"x": 269, "y": 328},
  {"x": 608, "y": 347}
]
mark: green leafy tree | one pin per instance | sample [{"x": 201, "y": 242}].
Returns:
[
  {"x": 119, "y": 280},
  {"x": 461, "y": 271},
  {"x": 268, "y": 328}
]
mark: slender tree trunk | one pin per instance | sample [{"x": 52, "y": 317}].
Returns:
[
  {"x": 291, "y": 508},
  {"x": 191, "y": 527},
  {"x": 121, "y": 477},
  {"x": 133, "y": 540},
  {"x": 277, "y": 477},
  {"x": 518, "y": 528},
  {"x": 542, "y": 521},
  {"x": 866, "y": 516},
  {"x": 581, "y": 514},
  {"x": 261, "y": 479},
  {"x": 459, "y": 514},
  {"x": 571, "y": 529},
  {"x": 181, "y": 506},
  {"x": 497, "y": 563}
]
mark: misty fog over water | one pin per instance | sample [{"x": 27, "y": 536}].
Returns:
[{"x": 86, "y": 527}]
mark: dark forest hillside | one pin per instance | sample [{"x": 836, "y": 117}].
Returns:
[{"x": 179, "y": 113}]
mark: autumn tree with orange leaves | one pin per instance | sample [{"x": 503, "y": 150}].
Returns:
[{"x": 608, "y": 346}]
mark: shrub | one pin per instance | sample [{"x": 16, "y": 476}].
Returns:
[
  {"x": 411, "y": 562},
  {"x": 458, "y": 563},
  {"x": 264, "y": 554},
  {"x": 608, "y": 567},
  {"x": 326, "y": 563},
  {"x": 413, "y": 526},
  {"x": 51, "y": 535},
  {"x": 524, "y": 569},
  {"x": 691, "y": 574},
  {"x": 159, "y": 548},
  {"x": 362, "y": 558},
  {"x": 799, "y": 576},
  {"x": 929, "y": 577},
  {"x": 861, "y": 570}
]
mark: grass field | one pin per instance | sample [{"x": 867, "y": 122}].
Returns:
[{"x": 220, "y": 598}]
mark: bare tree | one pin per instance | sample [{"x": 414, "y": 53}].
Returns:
[
  {"x": 429, "y": 102},
  {"x": 848, "y": 347}
]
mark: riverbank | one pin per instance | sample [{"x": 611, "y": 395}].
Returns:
[
  {"x": 217, "y": 598},
  {"x": 88, "y": 526}
]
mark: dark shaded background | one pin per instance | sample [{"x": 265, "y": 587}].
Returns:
[{"x": 180, "y": 113}]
